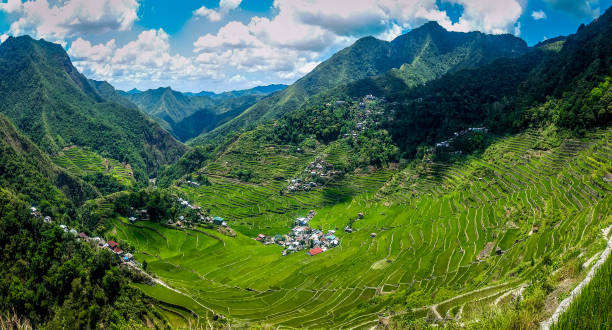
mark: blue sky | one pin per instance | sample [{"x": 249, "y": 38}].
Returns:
[{"x": 234, "y": 44}]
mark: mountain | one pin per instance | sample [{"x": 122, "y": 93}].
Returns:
[
  {"x": 268, "y": 89},
  {"x": 418, "y": 56},
  {"x": 27, "y": 170},
  {"x": 187, "y": 115},
  {"x": 45, "y": 96}
]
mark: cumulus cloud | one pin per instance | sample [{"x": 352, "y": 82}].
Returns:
[
  {"x": 579, "y": 8},
  {"x": 71, "y": 17},
  {"x": 11, "y": 6},
  {"x": 216, "y": 15},
  {"x": 210, "y": 14},
  {"x": 3, "y": 37},
  {"x": 236, "y": 79},
  {"x": 290, "y": 43},
  {"x": 489, "y": 16},
  {"x": 538, "y": 15},
  {"x": 148, "y": 58}
]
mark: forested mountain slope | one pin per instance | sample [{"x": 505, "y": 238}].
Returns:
[
  {"x": 418, "y": 56},
  {"x": 27, "y": 170},
  {"x": 54, "y": 105}
]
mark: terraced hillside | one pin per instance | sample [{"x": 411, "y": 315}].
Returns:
[
  {"x": 451, "y": 239},
  {"x": 81, "y": 162}
]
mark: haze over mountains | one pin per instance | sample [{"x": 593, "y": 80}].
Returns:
[{"x": 439, "y": 179}]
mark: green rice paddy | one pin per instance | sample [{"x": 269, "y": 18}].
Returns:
[
  {"x": 432, "y": 221},
  {"x": 80, "y": 162}
]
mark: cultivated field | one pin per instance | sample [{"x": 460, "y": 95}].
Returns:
[{"x": 451, "y": 238}]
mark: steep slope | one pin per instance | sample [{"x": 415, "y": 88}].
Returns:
[
  {"x": 56, "y": 106},
  {"x": 423, "y": 54},
  {"x": 27, "y": 170},
  {"x": 187, "y": 115}
]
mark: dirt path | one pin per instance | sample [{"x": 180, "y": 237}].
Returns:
[{"x": 564, "y": 305}]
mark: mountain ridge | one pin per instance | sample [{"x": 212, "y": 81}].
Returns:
[
  {"x": 369, "y": 57},
  {"x": 46, "y": 97}
]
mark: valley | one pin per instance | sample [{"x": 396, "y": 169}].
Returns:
[
  {"x": 434, "y": 179},
  {"x": 430, "y": 243}
]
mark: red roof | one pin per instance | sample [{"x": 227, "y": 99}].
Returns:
[
  {"x": 112, "y": 244},
  {"x": 118, "y": 250},
  {"x": 82, "y": 235},
  {"x": 314, "y": 251}
]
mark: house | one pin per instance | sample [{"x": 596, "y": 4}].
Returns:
[
  {"x": 83, "y": 235},
  {"x": 218, "y": 221},
  {"x": 315, "y": 251},
  {"x": 132, "y": 219},
  {"x": 373, "y": 235},
  {"x": 48, "y": 219},
  {"x": 117, "y": 250},
  {"x": 260, "y": 237},
  {"x": 128, "y": 257},
  {"x": 348, "y": 229},
  {"x": 112, "y": 245}
]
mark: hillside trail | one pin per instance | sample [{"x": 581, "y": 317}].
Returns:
[{"x": 564, "y": 305}]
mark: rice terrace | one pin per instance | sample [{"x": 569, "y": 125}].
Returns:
[
  {"x": 306, "y": 164},
  {"x": 430, "y": 247}
]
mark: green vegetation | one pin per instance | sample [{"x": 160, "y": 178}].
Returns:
[
  {"x": 106, "y": 174},
  {"x": 419, "y": 56},
  {"x": 189, "y": 115},
  {"x": 432, "y": 220},
  {"x": 469, "y": 191},
  {"x": 55, "y": 106},
  {"x": 53, "y": 280},
  {"x": 593, "y": 307}
]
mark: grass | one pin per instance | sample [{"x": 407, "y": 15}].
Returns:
[
  {"x": 592, "y": 309},
  {"x": 431, "y": 221}
]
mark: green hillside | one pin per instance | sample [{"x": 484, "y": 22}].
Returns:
[
  {"x": 82, "y": 162},
  {"x": 56, "y": 106},
  {"x": 420, "y": 55},
  {"x": 438, "y": 229},
  {"x": 440, "y": 180},
  {"x": 27, "y": 170}
]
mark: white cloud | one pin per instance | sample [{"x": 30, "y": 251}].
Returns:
[
  {"x": 236, "y": 79},
  {"x": 148, "y": 58},
  {"x": 291, "y": 42},
  {"x": 3, "y": 37},
  {"x": 211, "y": 14},
  {"x": 11, "y": 6},
  {"x": 538, "y": 14},
  {"x": 70, "y": 17},
  {"x": 216, "y": 15},
  {"x": 489, "y": 16}
]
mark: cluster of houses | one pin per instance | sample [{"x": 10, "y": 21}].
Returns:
[
  {"x": 98, "y": 242},
  {"x": 191, "y": 183},
  {"x": 447, "y": 143},
  {"x": 316, "y": 170},
  {"x": 302, "y": 237}
]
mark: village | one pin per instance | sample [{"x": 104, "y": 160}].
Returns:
[
  {"x": 302, "y": 237},
  {"x": 97, "y": 242},
  {"x": 315, "y": 173}
]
